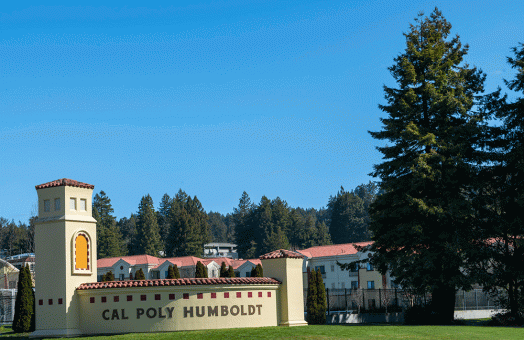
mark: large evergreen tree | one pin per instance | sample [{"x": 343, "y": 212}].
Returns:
[
  {"x": 244, "y": 234},
  {"x": 148, "y": 235},
  {"x": 25, "y": 303},
  {"x": 109, "y": 238},
  {"x": 163, "y": 218},
  {"x": 347, "y": 222},
  {"x": 422, "y": 223}
]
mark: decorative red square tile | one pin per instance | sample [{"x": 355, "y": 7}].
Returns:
[
  {"x": 50, "y": 302},
  {"x": 41, "y": 302},
  {"x": 249, "y": 294},
  {"x": 213, "y": 295},
  {"x": 200, "y": 295},
  {"x": 104, "y": 299},
  {"x": 143, "y": 297},
  {"x": 130, "y": 298},
  {"x": 259, "y": 294},
  {"x": 92, "y": 300},
  {"x": 171, "y": 296},
  {"x": 268, "y": 294},
  {"x": 157, "y": 296},
  {"x": 116, "y": 298},
  {"x": 226, "y": 295},
  {"x": 60, "y": 301},
  {"x": 186, "y": 296},
  {"x": 239, "y": 294}
]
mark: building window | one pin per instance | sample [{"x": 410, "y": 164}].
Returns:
[
  {"x": 47, "y": 205},
  {"x": 121, "y": 277},
  {"x": 332, "y": 267},
  {"x": 83, "y": 204},
  {"x": 72, "y": 203},
  {"x": 354, "y": 284},
  {"x": 369, "y": 266},
  {"x": 57, "y": 204},
  {"x": 371, "y": 284},
  {"x": 248, "y": 274},
  {"x": 81, "y": 249}
]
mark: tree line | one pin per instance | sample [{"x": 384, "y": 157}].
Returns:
[{"x": 450, "y": 212}]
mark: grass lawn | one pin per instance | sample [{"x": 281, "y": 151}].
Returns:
[{"x": 327, "y": 332}]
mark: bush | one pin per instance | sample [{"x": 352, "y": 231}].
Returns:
[
  {"x": 24, "y": 319},
  {"x": 419, "y": 315},
  {"x": 231, "y": 272},
  {"x": 139, "y": 275},
  {"x": 257, "y": 271},
  {"x": 177, "y": 273},
  {"x": 316, "y": 299},
  {"x": 108, "y": 277},
  {"x": 201, "y": 271},
  {"x": 223, "y": 270},
  {"x": 170, "y": 272},
  {"x": 506, "y": 319}
]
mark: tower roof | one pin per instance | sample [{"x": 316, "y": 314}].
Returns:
[
  {"x": 282, "y": 253},
  {"x": 65, "y": 182}
]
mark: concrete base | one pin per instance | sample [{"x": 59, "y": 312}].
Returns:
[
  {"x": 341, "y": 318},
  {"x": 56, "y": 333},
  {"x": 476, "y": 314},
  {"x": 293, "y": 323}
]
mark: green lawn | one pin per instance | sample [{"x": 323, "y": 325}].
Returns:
[{"x": 331, "y": 332}]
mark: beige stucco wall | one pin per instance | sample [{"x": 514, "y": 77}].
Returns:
[
  {"x": 178, "y": 314},
  {"x": 370, "y": 275}
]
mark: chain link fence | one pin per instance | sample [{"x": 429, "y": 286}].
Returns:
[
  {"x": 7, "y": 306},
  {"x": 392, "y": 300}
]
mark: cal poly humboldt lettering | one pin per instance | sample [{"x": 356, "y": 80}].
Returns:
[{"x": 200, "y": 311}]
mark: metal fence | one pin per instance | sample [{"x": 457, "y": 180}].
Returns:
[
  {"x": 358, "y": 300},
  {"x": 7, "y": 306}
]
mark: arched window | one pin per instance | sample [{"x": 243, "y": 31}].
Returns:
[{"x": 81, "y": 252}]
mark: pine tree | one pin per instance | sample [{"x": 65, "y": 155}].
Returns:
[
  {"x": 245, "y": 236},
  {"x": 109, "y": 239},
  {"x": 148, "y": 236},
  {"x": 422, "y": 223},
  {"x": 200, "y": 271},
  {"x": 347, "y": 221},
  {"x": 257, "y": 271},
  {"x": 312, "y": 299},
  {"x": 223, "y": 270},
  {"x": 139, "y": 275},
  {"x": 170, "y": 272},
  {"x": 163, "y": 218},
  {"x": 25, "y": 303},
  {"x": 176, "y": 272},
  {"x": 109, "y": 276},
  {"x": 321, "y": 300},
  {"x": 231, "y": 272}
]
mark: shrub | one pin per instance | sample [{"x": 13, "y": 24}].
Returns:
[
  {"x": 200, "y": 271},
  {"x": 139, "y": 275},
  {"x": 177, "y": 273},
  {"x": 419, "y": 315},
  {"x": 170, "y": 272},
  {"x": 24, "y": 319},
  {"x": 108, "y": 276},
  {"x": 316, "y": 299},
  {"x": 257, "y": 271},
  {"x": 223, "y": 270},
  {"x": 231, "y": 272},
  {"x": 506, "y": 319}
]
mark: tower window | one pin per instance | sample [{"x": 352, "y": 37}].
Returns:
[
  {"x": 81, "y": 248},
  {"x": 72, "y": 203},
  {"x": 57, "y": 204},
  {"x": 83, "y": 204},
  {"x": 47, "y": 205}
]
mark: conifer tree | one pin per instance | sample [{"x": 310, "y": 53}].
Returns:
[
  {"x": 170, "y": 272},
  {"x": 131, "y": 276},
  {"x": 109, "y": 276},
  {"x": 347, "y": 220},
  {"x": 176, "y": 272},
  {"x": 259, "y": 270},
  {"x": 163, "y": 219},
  {"x": 23, "y": 320},
  {"x": 223, "y": 270},
  {"x": 321, "y": 300},
  {"x": 245, "y": 236},
  {"x": 109, "y": 238},
  {"x": 139, "y": 275},
  {"x": 200, "y": 270},
  {"x": 312, "y": 299},
  {"x": 422, "y": 224},
  {"x": 231, "y": 272},
  {"x": 147, "y": 228}
]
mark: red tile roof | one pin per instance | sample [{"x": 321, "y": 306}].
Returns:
[
  {"x": 282, "y": 253},
  {"x": 65, "y": 182},
  {"x": 132, "y": 260},
  {"x": 332, "y": 250},
  {"x": 229, "y": 262},
  {"x": 180, "y": 282},
  {"x": 183, "y": 261}
]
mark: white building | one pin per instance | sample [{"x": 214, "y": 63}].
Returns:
[{"x": 221, "y": 250}]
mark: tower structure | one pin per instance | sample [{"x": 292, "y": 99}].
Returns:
[{"x": 65, "y": 251}]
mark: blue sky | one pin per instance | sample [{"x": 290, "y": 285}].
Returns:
[{"x": 273, "y": 98}]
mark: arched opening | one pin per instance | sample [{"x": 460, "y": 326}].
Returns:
[{"x": 81, "y": 252}]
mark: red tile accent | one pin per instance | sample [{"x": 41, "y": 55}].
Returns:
[
  {"x": 171, "y": 296},
  {"x": 143, "y": 297},
  {"x": 259, "y": 294},
  {"x": 239, "y": 294},
  {"x": 157, "y": 296},
  {"x": 50, "y": 302},
  {"x": 91, "y": 300},
  {"x": 280, "y": 254},
  {"x": 226, "y": 295},
  {"x": 130, "y": 298},
  {"x": 249, "y": 294},
  {"x": 60, "y": 301},
  {"x": 179, "y": 282},
  {"x": 268, "y": 294},
  {"x": 213, "y": 295},
  {"x": 41, "y": 302},
  {"x": 65, "y": 182},
  {"x": 200, "y": 295},
  {"x": 186, "y": 296},
  {"x": 116, "y": 298},
  {"x": 104, "y": 299}
]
